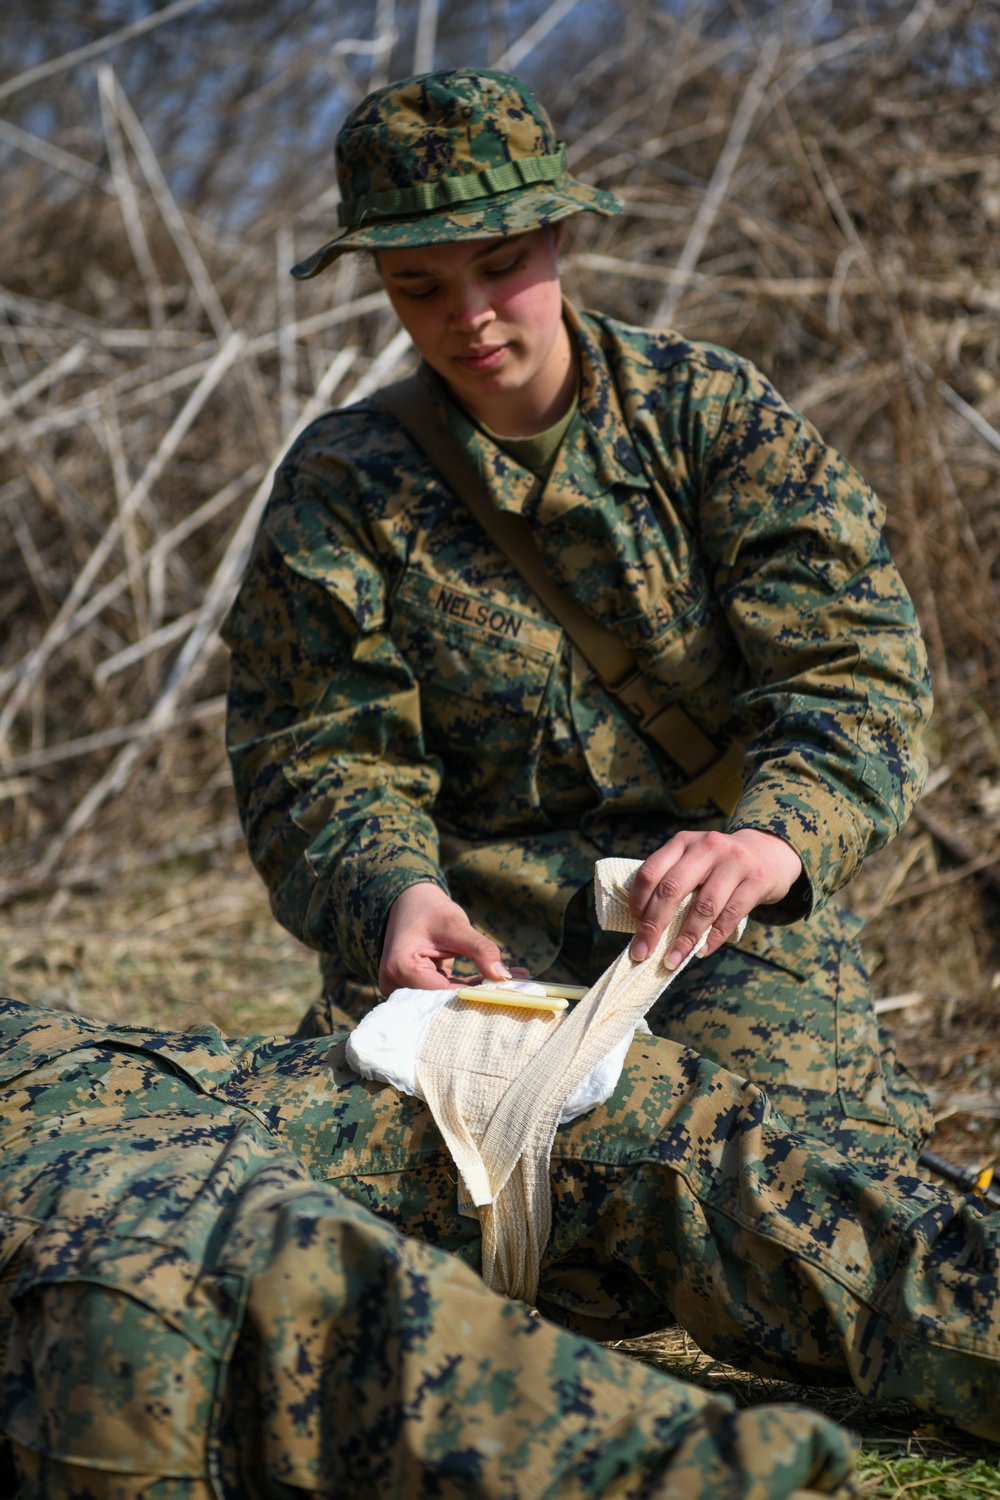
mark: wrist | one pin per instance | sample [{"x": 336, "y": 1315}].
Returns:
[{"x": 783, "y": 864}]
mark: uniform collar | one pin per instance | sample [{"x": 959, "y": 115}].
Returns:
[
  {"x": 511, "y": 487},
  {"x": 597, "y": 454},
  {"x": 610, "y": 444}
]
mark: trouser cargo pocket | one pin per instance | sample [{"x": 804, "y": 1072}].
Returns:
[
  {"x": 115, "y": 1355},
  {"x": 791, "y": 1009}
]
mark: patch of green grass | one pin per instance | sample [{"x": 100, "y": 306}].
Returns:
[{"x": 888, "y": 1477}]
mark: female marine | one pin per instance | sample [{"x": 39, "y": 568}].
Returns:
[{"x": 428, "y": 762}]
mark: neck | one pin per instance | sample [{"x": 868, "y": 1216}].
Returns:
[{"x": 525, "y": 413}]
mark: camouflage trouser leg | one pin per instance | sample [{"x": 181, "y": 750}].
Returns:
[
  {"x": 685, "y": 1197},
  {"x": 791, "y": 1009}
]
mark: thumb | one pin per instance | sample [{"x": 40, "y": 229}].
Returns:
[{"x": 486, "y": 956}]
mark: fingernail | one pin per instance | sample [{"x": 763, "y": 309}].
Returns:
[
  {"x": 638, "y": 950},
  {"x": 506, "y": 972},
  {"x": 673, "y": 958}
]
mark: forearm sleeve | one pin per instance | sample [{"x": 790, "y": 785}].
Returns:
[
  {"x": 324, "y": 734},
  {"x": 838, "y": 691}
]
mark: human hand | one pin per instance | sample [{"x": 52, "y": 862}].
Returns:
[
  {"x": 730, "y": 873},
  {"x": 425, "y": 933}
]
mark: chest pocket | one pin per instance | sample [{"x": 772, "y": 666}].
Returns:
[
  {"x": 461, "y": 644},
  {"x": 484, "y": 669}
]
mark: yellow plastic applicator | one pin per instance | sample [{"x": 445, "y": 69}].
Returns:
[{"x": 555, "y": 996}]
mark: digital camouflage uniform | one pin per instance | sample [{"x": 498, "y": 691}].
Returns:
[
  {"x": 204, "y": 1293},
  {"x": 402, "y": 707}
]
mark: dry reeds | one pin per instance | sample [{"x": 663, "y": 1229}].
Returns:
[{"x": 820, "y": 192}]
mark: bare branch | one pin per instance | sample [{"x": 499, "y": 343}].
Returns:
[
  {"x": 169, "y": 212},
  {"x": 61, "y": 626},
  {"x": 95, "y": 49},
  {"x": 54, "y": 156},
  {"x": 64, "y": 365},
  {"x": 129, "y": 203},
  {"x": 536, "y": 32},
  {"x": 709, "y": 207},
  {"x": 192, "y": 660},
  {"x": 426, "y": 40}
]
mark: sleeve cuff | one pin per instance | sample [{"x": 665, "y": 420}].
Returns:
[
  {"x": 815, "y": 825},
  {"x": 360, "y": 906}
]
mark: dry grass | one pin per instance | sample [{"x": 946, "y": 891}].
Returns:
[
  {"x": 902, "y": 1453},
  {"x": 820, "y": 192},
  {"x": 188, "y": 947}
]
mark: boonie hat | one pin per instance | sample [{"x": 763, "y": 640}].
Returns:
[{"x": 458, "y": 155}]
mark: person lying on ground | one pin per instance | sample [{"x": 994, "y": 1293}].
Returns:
[{"x": 236, "y": 1269}]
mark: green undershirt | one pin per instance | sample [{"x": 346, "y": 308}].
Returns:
[{"x": 537, "y": 453}]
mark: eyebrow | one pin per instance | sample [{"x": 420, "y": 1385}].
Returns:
[{"x": 419, "y": 273}]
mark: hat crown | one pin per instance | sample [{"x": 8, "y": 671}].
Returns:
[
  {"x": 458, "y": 155},
  {"x": 432, "y": 130}
]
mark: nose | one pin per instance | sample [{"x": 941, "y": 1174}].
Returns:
[{"x": 470, "y": 309}]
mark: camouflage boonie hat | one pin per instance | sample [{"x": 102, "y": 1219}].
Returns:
[{"x": 465, "y": 154}]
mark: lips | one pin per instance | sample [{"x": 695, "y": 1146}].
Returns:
[{"x": 485, "y": 357}]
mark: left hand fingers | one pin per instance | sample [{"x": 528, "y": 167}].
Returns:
[
  {"x": 729, "y": 874},
  {"x": 753, "y": 867}
]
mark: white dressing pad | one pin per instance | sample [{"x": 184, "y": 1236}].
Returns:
[{"x": 385, "y": 1045}]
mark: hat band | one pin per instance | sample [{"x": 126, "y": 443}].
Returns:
[{"x": 424, "y": 196}]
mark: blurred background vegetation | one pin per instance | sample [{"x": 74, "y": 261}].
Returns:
[{"x": 814, "y": 183}]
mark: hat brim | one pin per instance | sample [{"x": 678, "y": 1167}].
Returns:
[{"x": 481, "y": 219}]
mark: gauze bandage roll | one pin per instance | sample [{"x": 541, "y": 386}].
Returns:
[{"x": 499, "y": 1081}]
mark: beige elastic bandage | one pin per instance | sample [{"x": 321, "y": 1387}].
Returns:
[{"x": 496, "y": 1080}]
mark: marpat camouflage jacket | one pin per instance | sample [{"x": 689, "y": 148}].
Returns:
[{"x": 403, "y": 708}]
